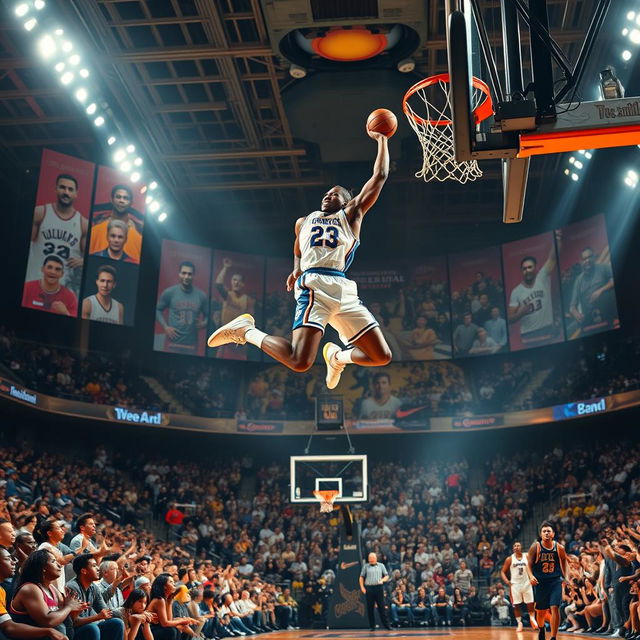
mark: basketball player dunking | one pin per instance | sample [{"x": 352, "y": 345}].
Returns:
[
  {"x": 325, "y": 244},
  {"x": 520, "y": 582},
  {"x": 531, "y": 301},
  {"x": 548, "y": 564},
  {"x": 58, "y": 229}
]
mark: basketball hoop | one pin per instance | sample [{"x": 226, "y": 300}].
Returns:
[
  {"x": 326, "y": 498},
  {"x": 435, "y": 129}
]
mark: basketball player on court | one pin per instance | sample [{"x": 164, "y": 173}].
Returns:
[
  {"x": 59, "y": 230},
  {"x": 47, "y": 293},
  {"x": 548, "y": 564},
  {"x": 101, "y": 306},
  {"x": 520, "y": 584},
  {"x": 234, "y": 301},
  {"x": 324, "y": 247},
  {"x": 188, "y": 307},
  {"x": 531, "y": 302}
]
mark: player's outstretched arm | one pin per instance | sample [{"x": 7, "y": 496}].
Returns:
[
  {"x": 550, "y": 265},
  {"x": 532, "y": 556},
  {"x": 297, "y": 272},
  {"x": 367, "y": 197},
  {"x": 503, "y": 572}
]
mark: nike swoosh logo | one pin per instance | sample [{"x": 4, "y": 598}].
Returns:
[
  {"x": 407, "y": 412},
  {"x": 346, "y": 565}
]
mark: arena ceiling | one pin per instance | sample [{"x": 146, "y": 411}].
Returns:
[{"x": 197, "y": 84}]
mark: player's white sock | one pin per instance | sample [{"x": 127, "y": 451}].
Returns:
[
  {"x": 518, "y": 619},
  {"x": 345, "y": 357},
  {"x": 255, "y": 336}
]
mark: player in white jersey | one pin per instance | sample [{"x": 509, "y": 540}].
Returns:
[
  {"x": 58, "y": 229},
  {"x": 517, "y": 576},
  {"x": 531, "y": 301},
  {"x": 101, "y": 306},
  {"x": 326, "y": 241}
]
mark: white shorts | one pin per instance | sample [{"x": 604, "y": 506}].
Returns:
[
  {"x": 323, "y": 299},
  {"x": 521, "y": 593}
]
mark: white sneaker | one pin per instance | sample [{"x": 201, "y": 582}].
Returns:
[
  {"x": 233, "y": 331},
  {"x": 334, "y": 368},
  {"x": 519, "y": 627}
]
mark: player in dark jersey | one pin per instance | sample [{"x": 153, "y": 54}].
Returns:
[
  {"x": 548, "y": 564},
  {"x": 187, "y": 312}
]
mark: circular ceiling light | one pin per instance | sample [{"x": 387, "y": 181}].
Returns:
[{"x": 349, "y": 45}]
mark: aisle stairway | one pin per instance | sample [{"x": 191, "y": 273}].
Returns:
[{"x": 164, "y": 395}]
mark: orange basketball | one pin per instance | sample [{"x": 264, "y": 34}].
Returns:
[{"x": 382, "y": 121}]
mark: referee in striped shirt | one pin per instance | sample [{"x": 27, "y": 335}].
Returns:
[{"x": 373, "y": 575}]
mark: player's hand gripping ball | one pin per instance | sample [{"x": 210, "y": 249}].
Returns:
[{"x": 382, "y": 121}]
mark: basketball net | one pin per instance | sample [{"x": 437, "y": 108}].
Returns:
[
  {"x": 435, "y": 134},
  {"x": 326, "y": 499}
]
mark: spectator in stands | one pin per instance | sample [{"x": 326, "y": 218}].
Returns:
[
  {"x": 24, "y": 546},
  {"x": 463, "y": 578},
  {"x": 7, "y": 534},
  {"x": 84, "y": 539},
  {"x": 442, "y": 609},
  {"x": 135, "y": 617},
  {"x": 163, "y": 591}
]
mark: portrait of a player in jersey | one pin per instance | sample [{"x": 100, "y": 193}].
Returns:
[
  {"x": 59, "y": 225},
  {"x": 237, "y": 288},
  {"x": 102, "y": 306},
  {"x": 48, "y": 293},
  {"x": 116, "y": 198},
  {"x": 324, "y": 248},
  {"x": 182, "y": 308},
  {"x": 533, "y": 291},
  {"x": 587, "y": 281},
  {"x": 117, "y": 235}
]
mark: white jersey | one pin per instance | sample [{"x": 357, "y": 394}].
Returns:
[
  {"x": 539, "y": 302},
  {"x": 519, "y": 575},
  {"x": 326, "y": 242},
  {"x": 99, "y": 313},
  {"x": 56, "y": 237}
]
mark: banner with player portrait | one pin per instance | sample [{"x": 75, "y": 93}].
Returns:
[
  {"x": 588, "y": 292},
  {"x": 381, "y": 291},
  {"x": 182, "y": 307},
  {"x": 279, "y": 304},
  {"x": 59, "y": 234},
  {"x": 477, "y": 303},
  {"x": 115, "y": 246},
  {"x": 532, "y": 291},
  {"x": 237, "y": 287}
]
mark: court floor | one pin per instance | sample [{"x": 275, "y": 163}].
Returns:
[{"x": 476, "y": 633}]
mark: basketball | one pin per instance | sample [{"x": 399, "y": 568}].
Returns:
[{"x": 382, "y": 121}]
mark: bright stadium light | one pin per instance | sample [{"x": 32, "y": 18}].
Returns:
[
  {"x": 135, "y": 176},
  {"x": 625, "y": 32},
  {"x": 154, "y": 185},
  {"x": 125, "y": 166},
  {"x": 634, "y": 36},
  {"x": 30, "y": 24},
  {"x": 588, "y": 155},
  {"x": 154, "y": 206},
  {"x": 130, "y": 148},
  {"x": 39, "y": 5},
  {"x": 575, "y": 177},
  {"x": 137, "y": 162},
  {"x": 578, "y": 164},
  {"x": 67, "y": 77},
  {"x": 81, "y": 94},
  {"x": 74, "y": 59},
  {"x": 148, "y": 200},
  {"x": 99, "y": 121},
  {"x": 59, "y": 67},
  {"x": 84, "y": 73},
  {"x": 626, "y": 55},
  {"x": 22, "y": 9},
  {"x": 119, "y": 155},
  {"x": 567, "y": 172},
  {"x": 91, "y": 109},
  {"x": 59, "y": 32},
  {"x": 66, "y": 46},
  {"x": 162, "y": 217},
  {"x": 47, "y": 46},
  {"x": 572, "y": 160},
  {"x": 111, "y": 140}
]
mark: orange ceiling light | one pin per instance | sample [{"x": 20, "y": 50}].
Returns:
[{"x": 349, "y": 45}]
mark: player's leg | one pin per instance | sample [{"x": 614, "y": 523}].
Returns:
[
  {"x": 555, "y": 620},
  {"x": 532, "y": 615},
  {"x": 518, "y": 615}
]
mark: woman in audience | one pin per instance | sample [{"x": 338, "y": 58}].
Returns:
[
  {"x": 37, "y": 602},
  {"x": 163, "y": 591},
  {"x": 136, "y": 619}
]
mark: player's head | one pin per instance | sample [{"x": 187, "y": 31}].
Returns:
[
  {"x": 121, "y": 197},
  {"x": 117, "y": 232},
  {"x": 237, "y": 282},
  {"x": 335, "y": 199},
  {"x": 546, "y": 531},
  {"x": 517, "y": 547},
  {"x": 381, "y": 386},
  {"x": 186, "y": 272},
  {"x": 372, "y": 558},
  {"x": 528, "y": 266},
  {"x": 66, "y": 189},
  {"x": 52, "y": 269},
  {"x": 587, "y": 259},
  {"x": 106, "y": 280}
]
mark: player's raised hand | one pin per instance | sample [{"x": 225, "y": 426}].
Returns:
[{"x": 376, "y": 135}]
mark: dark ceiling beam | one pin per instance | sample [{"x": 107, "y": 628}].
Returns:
[
  {"x": 191, "y": 106},
  {"x": 233, "y": 155},
  {"x": 266, "y": 184},
  {"x": 18, "y": 122},
  {"x": 22, "y": 94},
  {"x": 195, "y": 52},
  {"x": 249, "y": 77},
  {"x": 45, "y": 142}
]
